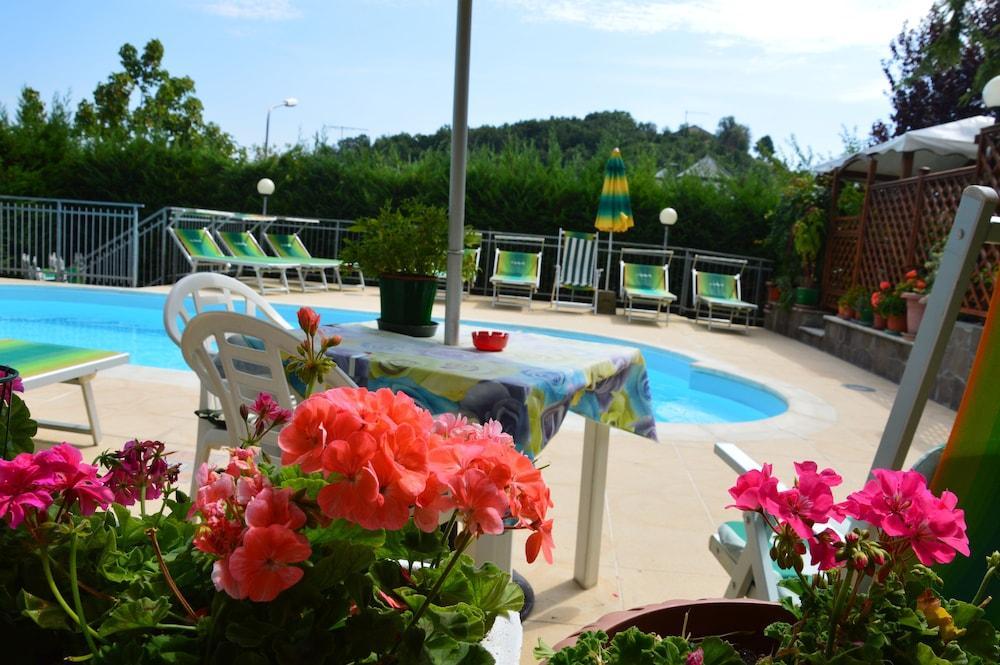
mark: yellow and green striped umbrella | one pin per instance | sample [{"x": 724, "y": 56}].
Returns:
[{"x": 614, "y": 211}]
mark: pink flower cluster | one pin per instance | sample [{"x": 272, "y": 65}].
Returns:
[
  {"x": 387, "y": 460},
  {"x": 31, "y": 482},
  {"x": 898, "y": 503},
  {"x": 251, "y": 526},
  {"x": 139, "y": 468}
]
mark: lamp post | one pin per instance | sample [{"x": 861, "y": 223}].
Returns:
[
  {"x": 289, "y": 102},
  {"x": 991, "y": 93},
  {"x": 668, "y": 217},
  {"x": 265, "y": 187}
]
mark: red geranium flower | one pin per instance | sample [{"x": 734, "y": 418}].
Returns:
[{"x": 261, "y": 565}]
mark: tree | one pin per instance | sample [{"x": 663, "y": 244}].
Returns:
[
  {"x": 937, "y": 69},
  {"x": 764, "y": 147},
  {"x": 733, "y": 137},
  {"x": 166, "y": 110}
]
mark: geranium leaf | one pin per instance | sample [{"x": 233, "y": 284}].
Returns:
[
  {"x": 45, "y": 614},
  {"x": 926, "y": 656},
  {"x": 248, "y": 632},
  {"x": 20, "y": 429},
  {"x": 140, "y": 613},
  {"x": 719, "y": 652},
  {"x": 444, "y": 650},
  {"x": 342, "y": 559},
  {"x": 491, "y": 589}
]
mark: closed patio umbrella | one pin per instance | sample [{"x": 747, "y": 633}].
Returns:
[{"x": 614, "y": 212}]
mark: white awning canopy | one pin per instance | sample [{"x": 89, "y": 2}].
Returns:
[{"x": 942, "y": 147}]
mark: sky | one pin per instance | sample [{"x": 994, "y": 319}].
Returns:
[{"x": 808, "y": 68}]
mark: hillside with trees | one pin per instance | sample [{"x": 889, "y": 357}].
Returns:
[{"x": 141, "y": 137}]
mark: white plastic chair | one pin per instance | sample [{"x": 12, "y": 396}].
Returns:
[
  {"x": 198, "y": 293},
  {"x": 238, "y": 357}
]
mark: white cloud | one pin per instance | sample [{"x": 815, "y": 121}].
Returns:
[
  {"x": 782, "y": 26},
  {"x": 261, "y": 10}
]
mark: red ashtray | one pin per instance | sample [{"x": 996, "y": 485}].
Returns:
[{"x": 489, "y": 340}]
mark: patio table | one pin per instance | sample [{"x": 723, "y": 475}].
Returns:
[{"x": 528, "y": 388}]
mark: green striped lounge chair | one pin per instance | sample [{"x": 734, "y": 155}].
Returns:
[
  {"x": 516, "y": 271},
  {"x": 646, "y": 282},
  {"x": 41, "y": 364},
  {"x": 576, "y": 269},
  {"x": 200, "y": 249},
  {"x": 290, "y": 246},
  {"x": 719, "y": 293},
  {"x": 244, "y": 247}
]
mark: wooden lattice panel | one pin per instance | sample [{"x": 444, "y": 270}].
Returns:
[
  {"x": 841, "y": 246},
  {"x": 989, "y": 157}
]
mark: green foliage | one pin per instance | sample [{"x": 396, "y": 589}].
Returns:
[
  {"x": 16, "y": 427},
  {"x": 142, "y": 138},
  {"x": 634, "y": 647},
  {"x": 410, "y": 240}
]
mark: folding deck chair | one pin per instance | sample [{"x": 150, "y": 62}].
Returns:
[
  {"x": 576, "y": 268},
  {"x": 742, "y": 547},
  {"x": 44, "y": 364},
  {"x": 720, "y": 292},
  {"x": 244, "y": 247},
  {"x": 515, "y": 270},
  {"x": 290, "y": 246},
  {"x": 645, "y": 282},
  {"x": 200, "y": 249}
]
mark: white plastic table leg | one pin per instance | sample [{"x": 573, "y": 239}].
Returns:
[{"x": 592, "y": 483}]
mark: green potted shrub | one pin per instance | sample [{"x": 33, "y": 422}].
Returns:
[
  {"x": 847, "y": 303},
  {"x": 807, "y": 235},
  {"x": 407, "y": 247},
  {"x": 892, "y": 306}
]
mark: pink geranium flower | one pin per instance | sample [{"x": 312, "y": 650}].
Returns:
[
  {"x": 479, "y": 502},
  {"x": 540, "y": 540},
  {"x": 823, "y": 549},
  {"x": 809, "y": 502},
  {"x": 752, "y": 488},
  {"x": 274, "y": 506},
  {"x": 22, "y": 484},
  {"x": 66, "y": 472},
  {"x": 262, "y": 566}
]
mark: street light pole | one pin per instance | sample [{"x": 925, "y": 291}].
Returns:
[
  {"x": 668, "y": 217},
  {"x": 289, "y": 102}
]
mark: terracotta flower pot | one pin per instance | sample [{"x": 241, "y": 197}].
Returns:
[
  {"x": 773, "y": 292},
  {"x": 740, "y": 621},
  {"x": 845, "y": 312},
  {"x": 915, "y": 306},
  {"x": 879, "y": 322},
  {"x": 896, "y": 323}
]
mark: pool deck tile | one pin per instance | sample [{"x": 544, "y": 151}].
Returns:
[{"x": 663, "y": 500}]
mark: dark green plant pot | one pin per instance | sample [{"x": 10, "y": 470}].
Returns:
[
  {"x": 407, "y": 301},
  {"x": 866, "y": 316},
  {"x": 806, "y": 297}
]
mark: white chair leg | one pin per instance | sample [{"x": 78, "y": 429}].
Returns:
[{"x": 91, "y": 406}]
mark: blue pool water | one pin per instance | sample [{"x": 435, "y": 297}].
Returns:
[{"x": 133, "y": 322}]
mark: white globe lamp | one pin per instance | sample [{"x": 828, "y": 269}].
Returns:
[{"x": 265, "y": 187}]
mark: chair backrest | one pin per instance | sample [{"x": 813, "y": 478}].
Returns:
[
  {"x": 242, "y": 244},
  {"x": 717, "y": 285},
  {"x": 518, "y": 265},
  {"x": 238, "y": 357},
  {"x": 577, "y": 258},
  {"x": 287, "y": 245},
  {"x": 643, "y": 277},
  {"x": 197, "y": 243},
  {"x": 205, "y": 291}
]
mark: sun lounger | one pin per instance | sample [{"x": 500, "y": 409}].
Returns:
[
  {"x": 720, "y": 293},
  {"x": 516, "y": 271},
  {"x": 200, "y": 249},
  {"x": 646, "y": 282},
  {"x": 244, "y": 246},
  {"x": 44, "y": 364},
  {"x": 576, "y": 268},
  {"x": 290, "y": 246}
]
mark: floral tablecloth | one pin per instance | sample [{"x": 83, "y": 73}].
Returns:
[{"x": 528, "y": 387}]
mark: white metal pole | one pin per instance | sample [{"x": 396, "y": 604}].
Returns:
[
  {"x": 456, "y": 194},
  {"x": 267, "y": 131}
]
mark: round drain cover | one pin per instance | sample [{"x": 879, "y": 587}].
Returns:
[{"x": 859, "y": 388}]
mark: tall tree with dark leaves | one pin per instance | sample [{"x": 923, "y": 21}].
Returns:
[{"x": 937, "y": 69}]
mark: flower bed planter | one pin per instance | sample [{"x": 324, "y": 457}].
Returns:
[
  {"x": 742, "y": 621},
  {"x": 916, "y": 303}
]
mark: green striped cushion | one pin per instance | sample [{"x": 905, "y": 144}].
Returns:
[
  {"x": 520, "y": 267},
  {"x": 199, "y": 244},
  {"x": 288, "y": 245},
  {"x": 714, "y": 285},
  {"x": 34, "y": 358},
  {"x": 643, "y": 278},
  {"x": 578, "y": 258},
  {"x": 241, "y": 244}
]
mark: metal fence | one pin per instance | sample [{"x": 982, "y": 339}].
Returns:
[
  {"x": 142, "y": 253},
  {"x": 91, "y": 242}
]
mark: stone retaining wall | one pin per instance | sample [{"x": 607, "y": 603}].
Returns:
[{"x": 880, "y": 352}]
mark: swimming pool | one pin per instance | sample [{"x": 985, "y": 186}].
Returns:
[{"x": 132, "y": 322}]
